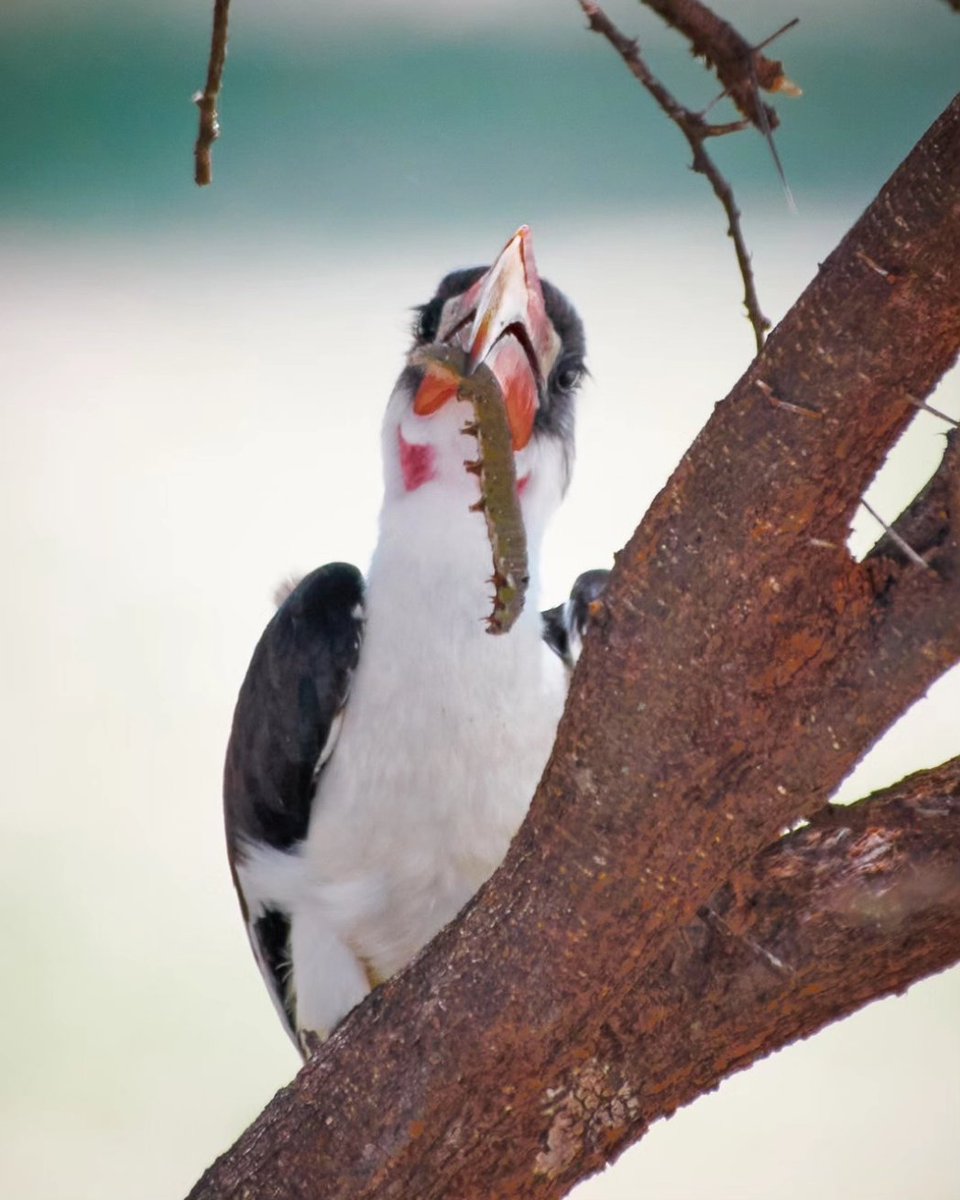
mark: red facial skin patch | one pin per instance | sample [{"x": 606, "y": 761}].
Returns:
[
  {"x": 440, "y": 385},
  {"x": 508, "y": 361},
  {"x": 416, "y": 463}
]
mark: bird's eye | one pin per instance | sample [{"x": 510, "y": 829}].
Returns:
[
  {"x": 568, "y": 375},
  {"x": 426, "y": 322}
]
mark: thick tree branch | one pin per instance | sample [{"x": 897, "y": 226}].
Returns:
[
  {"x": 742, "y": 665},
  {"x": 859, "y": 904}
]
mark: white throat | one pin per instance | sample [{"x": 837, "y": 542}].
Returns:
[{"x": 444, "y": 737}]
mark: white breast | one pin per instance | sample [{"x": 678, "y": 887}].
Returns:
[{"x": 444, "y": 739}]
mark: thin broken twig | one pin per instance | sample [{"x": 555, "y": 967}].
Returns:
[
  {"x": 696, "y": 130},
  {"x": 767, "y": 130},
  {"x": 936, "y": 412},
  {"x": 801, "y": 410},
  {"x": 895, "y": 537},
  {"x": 206, "y": 100},
  {"x": 925, "y": 524},
  {"x": 711, "y": 918}
]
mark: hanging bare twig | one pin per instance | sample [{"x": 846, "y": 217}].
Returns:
[
  {"x": 696, "y": 130},
  {"x": 206, "y": 100}
]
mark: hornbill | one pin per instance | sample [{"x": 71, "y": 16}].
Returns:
[{"x": 385, "y": 748}]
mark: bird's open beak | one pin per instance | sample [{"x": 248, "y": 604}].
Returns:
[{"x": 501, "y": 321}]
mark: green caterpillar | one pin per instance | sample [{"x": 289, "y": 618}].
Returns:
[{"x": 495, "y": 470}]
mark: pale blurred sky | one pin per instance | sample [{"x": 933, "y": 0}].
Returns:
[{"x": 190, "y": 392}]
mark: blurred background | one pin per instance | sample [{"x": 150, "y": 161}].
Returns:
[{"x": 192, "y": 383}]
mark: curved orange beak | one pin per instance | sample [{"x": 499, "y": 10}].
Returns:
[{"x": 501, "y": 321}]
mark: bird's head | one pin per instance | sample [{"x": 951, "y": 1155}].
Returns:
[{"x": 528, "y": 334}]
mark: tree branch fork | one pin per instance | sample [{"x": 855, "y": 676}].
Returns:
[
  {"x": 741, "y": 665},
  {"x": 697, "y": 130}
]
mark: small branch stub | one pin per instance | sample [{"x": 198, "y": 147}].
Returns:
[{"x": 206, "y": 100}]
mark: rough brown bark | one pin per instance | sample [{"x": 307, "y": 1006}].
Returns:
[
  {"x": 742, "y": 665},
  {"x": 856, "y": 905}
]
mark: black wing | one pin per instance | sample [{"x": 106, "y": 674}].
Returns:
[
  {"x": 287, "y": 710},
  {"x": 565, "y": 625}
]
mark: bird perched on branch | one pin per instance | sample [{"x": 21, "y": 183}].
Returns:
[{"x": 385, "y": 747}]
